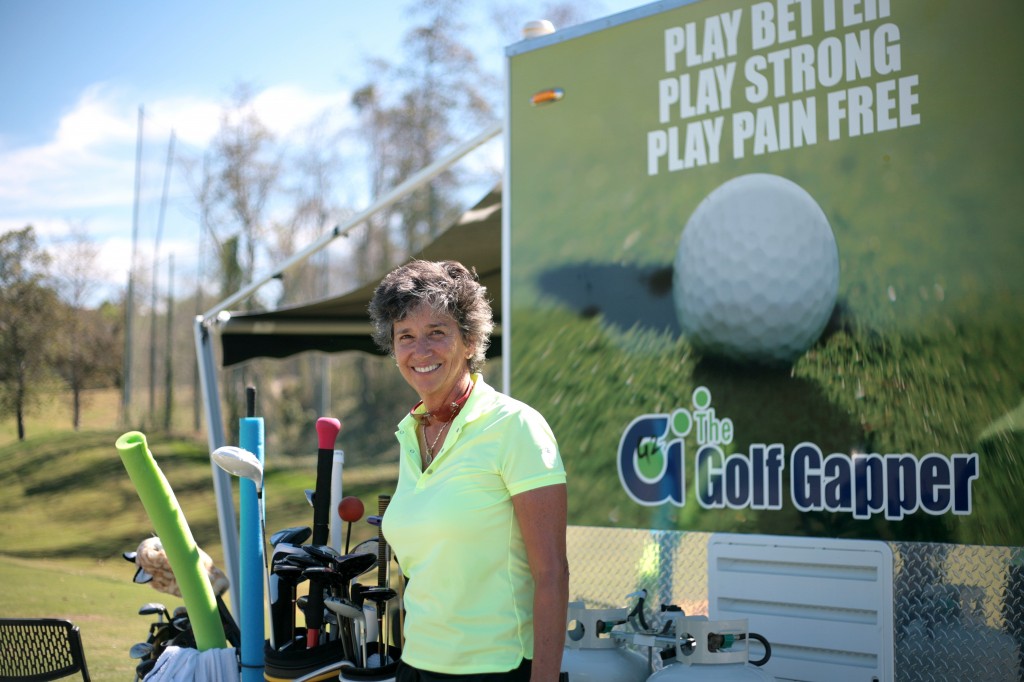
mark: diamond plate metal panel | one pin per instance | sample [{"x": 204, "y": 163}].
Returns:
[{"x": 958, "y": 610}]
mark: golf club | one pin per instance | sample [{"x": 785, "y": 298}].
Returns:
[{"x": 327, "y": 430}]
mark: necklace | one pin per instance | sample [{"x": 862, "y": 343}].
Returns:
[
  {"x": 445, "y": 415},
  {"x": 431, "y": 446}
]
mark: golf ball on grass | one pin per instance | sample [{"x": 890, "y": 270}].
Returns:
[{"x": 757, "y": 271}]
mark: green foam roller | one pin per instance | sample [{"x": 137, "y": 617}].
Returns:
[{"x": 173, "y": 531}]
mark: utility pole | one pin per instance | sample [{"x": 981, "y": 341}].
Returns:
[
  {"x": 169, "y": 349},
  {"x": 156, "y": 259},
  {"x": 129, "y": 304}
]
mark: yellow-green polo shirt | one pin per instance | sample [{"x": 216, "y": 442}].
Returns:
[{"x": 469, "y": 597}]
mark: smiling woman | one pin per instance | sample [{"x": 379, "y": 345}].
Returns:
[{"x": 481, "y": 492}]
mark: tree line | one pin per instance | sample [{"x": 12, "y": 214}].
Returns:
[{"x": 47, "y": 334}]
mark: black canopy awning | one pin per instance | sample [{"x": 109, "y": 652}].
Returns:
[{"x": 342, "y": 323}]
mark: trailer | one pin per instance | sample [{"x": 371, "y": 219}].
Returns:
[{"x": 761, "y": 269}]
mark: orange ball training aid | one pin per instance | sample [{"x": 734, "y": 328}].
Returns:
[{"x": 351, "y": 509}]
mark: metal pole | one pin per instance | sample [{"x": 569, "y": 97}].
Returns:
[
  {"x": 215, "y": 438},
  {"x": 129, "y": 304},
  {"x": 153, "y": 284},
  {"x": 169, "y": 348}
]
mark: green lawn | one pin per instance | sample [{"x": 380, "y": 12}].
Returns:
[{"x": 68, "y": 510}]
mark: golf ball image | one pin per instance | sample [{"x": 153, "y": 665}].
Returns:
[{"x": 756, "y": 274}]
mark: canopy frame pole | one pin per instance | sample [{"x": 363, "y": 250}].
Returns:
[{"x": 215, "y": 439}]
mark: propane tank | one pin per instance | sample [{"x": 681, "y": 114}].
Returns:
[
  {"x": 711, "y": 651},
  {"x": 591, "y": 655}
]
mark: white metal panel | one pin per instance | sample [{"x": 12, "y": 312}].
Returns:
[{"x": 824, "y": 605}]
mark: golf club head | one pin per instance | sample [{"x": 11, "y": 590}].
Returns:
[
  {"x": 281, "y": 550},
  {"x": 292, "y": 536},
  {"x": 344, "y": 608},
  {"x": 378, "y": 594},
  {"x": 143, "y": 668},
  {"x": 325, "y": 552},
  {"x": 302, "y": 560},
  {"x": 239, "y": 462},
  {"x": 140, "y": 650},
  {"x": 367, "y": 547},
  {"x": 152, "y": 608}
]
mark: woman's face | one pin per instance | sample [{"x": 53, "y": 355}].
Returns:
[{"x": 431, "y": 353}]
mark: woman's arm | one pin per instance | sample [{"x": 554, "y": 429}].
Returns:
[{"x": 542, "y": 519}]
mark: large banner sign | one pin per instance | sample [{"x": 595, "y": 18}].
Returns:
[{"x": 766, "y": 265}]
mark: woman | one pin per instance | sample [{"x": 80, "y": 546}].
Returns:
[{"x": 477, "y": 521}]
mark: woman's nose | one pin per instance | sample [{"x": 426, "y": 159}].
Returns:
[{"x": 422, "y": 346}]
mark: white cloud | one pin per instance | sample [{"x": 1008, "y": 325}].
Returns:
[
  {"x": 286, "y": 109},
  {"x": 194, "y": 120},
  {"x": 94, "y": 122},
  {"x": 85, "y": 173},
  {"x": 90, "y": 161}
]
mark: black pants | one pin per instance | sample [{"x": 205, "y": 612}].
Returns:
[{"x": 407, "y": 673}]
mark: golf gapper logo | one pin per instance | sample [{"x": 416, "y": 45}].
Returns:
[{"x": 652, "y": 469}]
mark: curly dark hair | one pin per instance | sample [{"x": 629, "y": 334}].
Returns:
[{"x": 447, "y": 287}]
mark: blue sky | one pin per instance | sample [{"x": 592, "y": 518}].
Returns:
[{"x": 75, "y": 73}]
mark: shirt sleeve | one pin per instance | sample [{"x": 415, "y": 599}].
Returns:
[{"x": 532, "y": 459}]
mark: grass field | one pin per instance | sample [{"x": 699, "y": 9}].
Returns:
[{"x": 68, "y": 510}]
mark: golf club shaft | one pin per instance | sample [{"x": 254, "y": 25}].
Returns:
[{"x": 383, "y": 577}]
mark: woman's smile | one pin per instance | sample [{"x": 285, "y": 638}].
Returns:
[{"x": 424, "y": 370}]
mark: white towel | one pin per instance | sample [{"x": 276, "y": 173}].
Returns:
[{"x": 185, "y": 664}]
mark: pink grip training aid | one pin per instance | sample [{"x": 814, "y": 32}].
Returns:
[{"x": 327, "y": 430}]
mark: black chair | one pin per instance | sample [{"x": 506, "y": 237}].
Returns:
[{"x": 40, "y": 649}]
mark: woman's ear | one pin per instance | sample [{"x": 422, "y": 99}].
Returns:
[{"x": 470, "y": 348}]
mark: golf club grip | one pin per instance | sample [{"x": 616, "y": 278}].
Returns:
[
  {"x": 327, "y": 430},
  {"x": 382, "y": 546}
]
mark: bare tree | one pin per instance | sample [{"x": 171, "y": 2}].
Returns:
[
  {"x": 27, "y": 322},
  {"x": 311, "y": 183},
  {"x": 233, "y": 187},
  {"x": 243, "y": 170},
  {"x": 438, "y": 95},
  {"x": 87, "y": 353}
]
